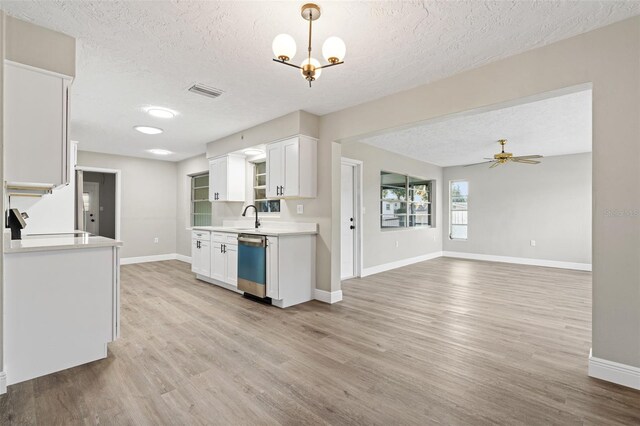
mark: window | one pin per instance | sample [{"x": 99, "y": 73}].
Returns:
[
  {"x": 200, "y": 204},
  {"x": 405, "y": 201},
  {"x": 262, "y": 203},
  {"x": 458, "y": 208}
]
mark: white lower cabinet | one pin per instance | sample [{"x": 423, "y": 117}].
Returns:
[
  {"x": 231, "y": 265},
  {"x": 218, "y": 261},
  {"x": 291, "y": 269},
  {"x": 224, "y": 258},
  {"x": 201, "y": 253}
]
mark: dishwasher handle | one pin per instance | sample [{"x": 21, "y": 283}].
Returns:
[{"x": 252, "y": 240}]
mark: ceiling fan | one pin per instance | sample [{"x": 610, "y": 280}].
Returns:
[{"x": 505, "y": 157}]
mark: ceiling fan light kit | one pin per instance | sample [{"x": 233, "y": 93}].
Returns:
[
  {"x": 333, "y": 49},
  {"x": 505, "y": 157}
]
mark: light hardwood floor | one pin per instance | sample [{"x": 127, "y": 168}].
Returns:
[{"x": 446, "y": 341}]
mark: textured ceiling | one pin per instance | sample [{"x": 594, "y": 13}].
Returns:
[
  {"x": 555, "y": 126},
  {"x": 133, "y": 54}
]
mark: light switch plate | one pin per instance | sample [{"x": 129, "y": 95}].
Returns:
[
  {"x": 533, "y": 243},
  {"x": 300, "y": 208}
]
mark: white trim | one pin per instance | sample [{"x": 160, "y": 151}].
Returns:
[
  {"x": 327, "y": 296},
  {"x": 614, "y": 372},
  {"x": 118, "y": 174},
  {"x": 358, "y": 213},
  {"x": 183, "y": 258},
  {"x": 519, "y": 260},
  {"x": 3, "y": 382},
  {"x": 399, "y": 263}
]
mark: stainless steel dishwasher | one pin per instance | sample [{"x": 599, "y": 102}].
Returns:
[{"x": 252, "y": 264}]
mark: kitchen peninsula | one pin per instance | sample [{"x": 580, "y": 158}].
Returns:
[{"x": 61, "y": 302}]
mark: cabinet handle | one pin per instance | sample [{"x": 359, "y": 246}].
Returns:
[
  {"x": 224, "y": 248},
  {"x": 277, "y": 190},
  {"x": 282, "y": 190}
]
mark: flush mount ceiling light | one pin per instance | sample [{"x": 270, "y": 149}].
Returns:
[
  {"x": 160, "y": 112},
  {"x": 158, "y": 151},
  {"x": 333, "y": 49},
  {"x": 148, "y": 130},
  {"x": 253, "y": 151}
]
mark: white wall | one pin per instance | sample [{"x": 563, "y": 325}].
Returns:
[
  {"x": 379, "y": 245},
  {"x": 511, "y": 205},
  {"x": 148, "y": 202}
]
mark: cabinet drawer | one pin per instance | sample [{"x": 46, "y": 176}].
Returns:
[
  {"x": 225, "y": 238},
  {"x": 201, "y": 235}
]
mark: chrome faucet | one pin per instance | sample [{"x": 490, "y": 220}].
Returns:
[{"x": 244, "y": 213}]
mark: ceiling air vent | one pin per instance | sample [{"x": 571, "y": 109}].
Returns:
[{"x": 203, "y": 90}]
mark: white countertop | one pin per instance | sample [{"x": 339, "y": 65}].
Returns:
[
  {"x": 269, "y": 228},
  {"x": 57, "y": 242}
]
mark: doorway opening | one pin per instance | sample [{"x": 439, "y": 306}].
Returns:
[
  {"x": 351, "y": 219},
  {"x": 98, "y": 201}
]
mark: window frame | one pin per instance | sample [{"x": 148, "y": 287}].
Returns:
[
  {"x": 254, "y": 186},
  {"x": 431, "y": 184},
  {"x": 193, "y": 201},
  {"x": 451, "y": 182}
]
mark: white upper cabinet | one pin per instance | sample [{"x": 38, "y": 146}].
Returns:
[
  {"x": 36, "y": 139},
  {"x": 227, "y": 178},
  {"x": 292, "y": 168}
]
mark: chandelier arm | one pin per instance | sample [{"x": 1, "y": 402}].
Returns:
[
  {"x": 328, "y": 65},
  {"x": 286, "y": 63}
]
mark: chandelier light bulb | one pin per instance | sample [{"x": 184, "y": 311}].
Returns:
[
  {"x": 310, "y": 70},
  {"x": 334, "y": 50},
  {"x": 284, "y": 47}
]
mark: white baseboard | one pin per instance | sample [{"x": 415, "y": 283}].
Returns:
[
  {"x": 327, "y": 296},
  {"x": 399, "y": 263},
  {"x": 519, "y": 260},
  {"x": 3, "y": 382},
  {"x": 155, "y": 258},
  {"x": 614, "y": 372}
]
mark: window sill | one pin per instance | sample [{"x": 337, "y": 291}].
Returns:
[{"x": 408, "y": 228}]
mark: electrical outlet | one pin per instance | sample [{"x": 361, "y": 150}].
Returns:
[
  {"x": 435, "y": 238},
  {"x": 397, "y": 244},
  {"x": 300, "y": 208},
  {"x": 155, "y": 240},
  {"x": 533, "y": 243}
]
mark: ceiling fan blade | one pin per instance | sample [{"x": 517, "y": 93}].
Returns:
[
  {"x": 475, "y": 164},
  {"x": 520, "y": 160},
  {"x": 495, "y": 164},
  {"x": 526, "y": 157}
]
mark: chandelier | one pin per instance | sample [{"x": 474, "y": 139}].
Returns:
[{"x": 333, "y": 49}]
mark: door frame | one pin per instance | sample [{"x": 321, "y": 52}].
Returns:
[
  {"x": 358, "y": 210},
  {"x": 116, "y": 172}
]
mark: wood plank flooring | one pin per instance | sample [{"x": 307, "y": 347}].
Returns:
[{"x": 447, "y": 341}]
